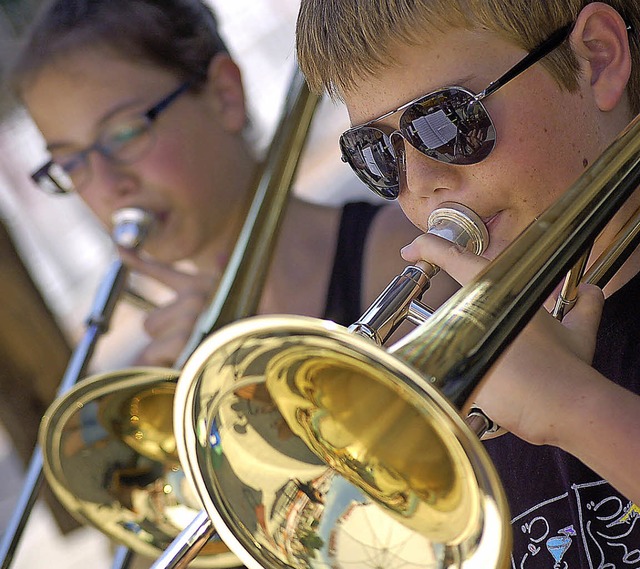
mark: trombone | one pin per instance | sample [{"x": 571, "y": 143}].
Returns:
[
  {"x": 108, "y": 444},
  {"x": 130, "y": 228},
  {"x": 346, "y": 437},
  {"x": 452, "y": 221}
]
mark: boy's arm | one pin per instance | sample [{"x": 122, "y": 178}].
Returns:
[
  {"x": 543, "y": 388},
  {"x": 602, "y": 429}
]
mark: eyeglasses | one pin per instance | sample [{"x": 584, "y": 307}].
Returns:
[
  {"x": 450, "y": 125},
  {"x": 122, "y": 142}
]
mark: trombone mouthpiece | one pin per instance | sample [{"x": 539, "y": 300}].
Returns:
[
  {"x": 461, "y": 225},
  {"x": 131, "y": 226}
]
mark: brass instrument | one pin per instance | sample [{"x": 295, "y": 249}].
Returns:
[
  {"x": 130, "y": 228},
  {"x": 237, "y": 404},
  {"x": 108, "y": 445},
  {"x": 454, "y": 222},
  {"x": 312, "y": 447}
]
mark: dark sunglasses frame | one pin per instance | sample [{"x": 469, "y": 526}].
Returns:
[
  {"x": 351, "y": 151},
  {"x": 150, "y": 115}
]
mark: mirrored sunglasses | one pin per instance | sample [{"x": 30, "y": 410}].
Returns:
[{"x": 450, "y": 125}]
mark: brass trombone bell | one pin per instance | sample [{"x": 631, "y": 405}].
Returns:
[
  {"x": 264, "y": 406},
  {"x": 110, "y": 456},
  {"x": 259, "y": 393}
]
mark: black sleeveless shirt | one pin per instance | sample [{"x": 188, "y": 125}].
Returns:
[
  {"x": 564, "y": 515},
  {"x": 345, "y": 286}
]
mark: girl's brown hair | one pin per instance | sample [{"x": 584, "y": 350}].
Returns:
[{"x": 178, "y": 35}]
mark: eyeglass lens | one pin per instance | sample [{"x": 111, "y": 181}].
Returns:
[{"x": 123, "y": 143}]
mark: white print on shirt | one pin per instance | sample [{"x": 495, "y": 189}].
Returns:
[
  {"x": 611, "y": 529},
  {"x": 607, "y": 528}
]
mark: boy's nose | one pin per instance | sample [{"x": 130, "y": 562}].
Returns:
[{"x": 418, "y": 174}]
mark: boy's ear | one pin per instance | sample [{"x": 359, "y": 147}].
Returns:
[
  {"x": 224, "y": 86},
  {"x": 600, "y": 39}
]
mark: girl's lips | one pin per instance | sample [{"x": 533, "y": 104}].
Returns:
[{"x": 162, "y": 217}]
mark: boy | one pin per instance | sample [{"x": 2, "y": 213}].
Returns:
[{"x": 566, "y": 392}]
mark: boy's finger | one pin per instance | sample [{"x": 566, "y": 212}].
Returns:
[{"x": 459, "y": 263}]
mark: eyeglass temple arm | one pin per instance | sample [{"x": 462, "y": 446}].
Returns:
[
  {"x": 535, "y": 55},
  {"x": 162, "y": 105}
]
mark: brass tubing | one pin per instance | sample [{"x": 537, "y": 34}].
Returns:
[
  {"x": 569, "y": 292},
  {"x": 238, "y": 293},
  {"x": 401, "y": 299},
  {"x": 602, "y": 269},
  {"x": 616, "y": 254}
]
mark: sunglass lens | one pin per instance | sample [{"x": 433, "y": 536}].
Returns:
[
  {"x": 449, "y": 126},
  {"x": 371, "y": 156}
]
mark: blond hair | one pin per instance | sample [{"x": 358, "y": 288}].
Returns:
[{"x": 342, "y": 41}]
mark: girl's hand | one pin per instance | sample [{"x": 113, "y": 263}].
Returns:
[{"x": 170, "y": 325}]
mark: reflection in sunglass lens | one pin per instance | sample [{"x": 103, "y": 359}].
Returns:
[
  {"x": 370, "y": 154},
  {"x": 449, "y": 126}
]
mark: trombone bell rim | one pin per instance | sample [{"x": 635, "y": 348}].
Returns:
[
  {"x": 95, "y": 503},
  {"x": 216, "y": 371}
]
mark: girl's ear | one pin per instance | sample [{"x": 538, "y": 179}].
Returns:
[
  {"x": 600, "y": 39},
  {"x": 224, "y": 86}
]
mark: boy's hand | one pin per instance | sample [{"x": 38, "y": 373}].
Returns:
[
  {"x": 170, "y": 326},
  {"x": 528, "y": 389}
]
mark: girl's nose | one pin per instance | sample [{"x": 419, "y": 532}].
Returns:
[{"x": 108, "y": 179}]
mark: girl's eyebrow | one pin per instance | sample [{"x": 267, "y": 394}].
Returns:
[{"x": 121, "y": 107}]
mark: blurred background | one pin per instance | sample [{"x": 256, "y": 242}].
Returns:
[{"x": 66, "y": 253}]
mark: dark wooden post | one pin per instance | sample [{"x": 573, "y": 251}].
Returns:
[{"x": 33, "y": 357}]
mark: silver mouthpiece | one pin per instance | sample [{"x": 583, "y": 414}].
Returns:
[
  {"x": 131, "y": 226},
  {"x": 401, "y": 299},
  {"x": 461, "y": 225}
]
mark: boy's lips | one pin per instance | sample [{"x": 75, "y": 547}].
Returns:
[{"x": 489, "y": 220}]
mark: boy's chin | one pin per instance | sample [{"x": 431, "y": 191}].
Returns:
[{"x": 496, "y": 246}]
